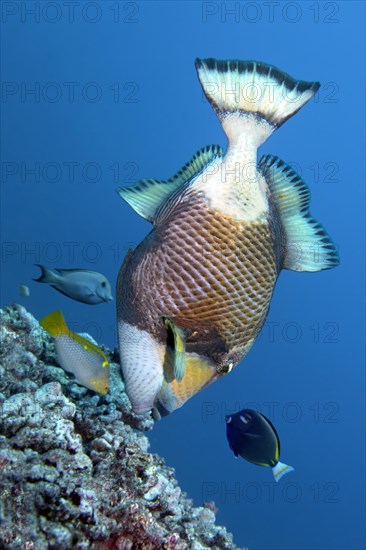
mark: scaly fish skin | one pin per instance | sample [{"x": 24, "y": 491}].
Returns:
[
  {"x": 205, "y": 274},
  {"x": 213, "y": 275}
]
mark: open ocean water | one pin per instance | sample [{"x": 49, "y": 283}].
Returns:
[{"x": 97, "y": 95}]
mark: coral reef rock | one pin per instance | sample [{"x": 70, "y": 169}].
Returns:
[{"x": 73, "y": 471}]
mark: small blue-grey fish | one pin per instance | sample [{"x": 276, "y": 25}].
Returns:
[
  {"x": 77, "y": 354},
  {"x": 252, "y": 436},
  {"x": 82, "y": 285}
]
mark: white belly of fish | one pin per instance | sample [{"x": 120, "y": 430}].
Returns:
[{"x": 141, "y": 359}]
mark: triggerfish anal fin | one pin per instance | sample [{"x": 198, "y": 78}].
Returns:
[
  {"x": 148, "y": 195},
  {"x": 308, "y": 246},
  {"x": 77, "y": 354},
  {"x": 179, "y": 349}
]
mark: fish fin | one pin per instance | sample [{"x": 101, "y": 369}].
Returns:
[
  {"x": 252, "y": 436},
  {"x": 90, "y": 292},
  {"x": 47, "y": 276},
  {"x": 89, "y": 346},
  {"x": 54, "y": 323},
  {"x": 278, "y": 445},
  {"x": 271, "y": 425},
  {"x": 251, "y": 95},
  {"x": 63, "y": 292},
  {"x": 236, "y": 454},
  {"x": 179, "y": 349},
  {"x": 65, "y": 271},
  {"x": 308, "y": 246},
  {"x": 156, "y": 414},
  {"x": 280, "y": 469},
  {"x": 148, "y": 195}
]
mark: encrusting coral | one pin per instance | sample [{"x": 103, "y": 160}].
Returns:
[{"x": 73, "y": 471}]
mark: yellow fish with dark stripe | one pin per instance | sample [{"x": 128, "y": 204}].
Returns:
[{"x": 193, "y": 296}]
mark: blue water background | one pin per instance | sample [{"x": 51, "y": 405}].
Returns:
[{"x": 138, "y": 111}]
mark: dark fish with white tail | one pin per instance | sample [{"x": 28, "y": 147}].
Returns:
[
  {"x": 253, "y": 437},
  {"x": 194, "y": 294},
  {"x": 83, "y": 285}
]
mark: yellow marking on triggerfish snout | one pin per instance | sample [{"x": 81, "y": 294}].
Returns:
[{"x": 198, "y": 373}]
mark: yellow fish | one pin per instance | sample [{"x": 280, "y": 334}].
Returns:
[
  {"x": 193, "y": 296},
  {"x": 78, "y": 355}
]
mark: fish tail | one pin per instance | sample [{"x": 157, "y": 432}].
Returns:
[
  {"x": 47, "y": 276},
  {"x": 280, "y": 469},
  {"x": 54, "y": 323},
  {"x": 252, "y": 97}
]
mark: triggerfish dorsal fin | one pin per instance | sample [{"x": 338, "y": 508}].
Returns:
[
  {"x": 280, "y": 469},
  {"x": 148, "y": 195},
  {"x": 308, "y": 246},
  {"x": 179, "y": 349}
]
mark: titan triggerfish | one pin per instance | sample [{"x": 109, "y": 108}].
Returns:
[{"x": 194, "y": 294}]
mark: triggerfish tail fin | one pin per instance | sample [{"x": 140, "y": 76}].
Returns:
[
  {"x": 280, "y": 469},
  {"x": 147, "y": 196},
  {"x": 46, "y": 276},
  {"x": 252, "y": 95},
  {"x": 54, "y": 324},
  {"x": 179, "y": 349},
  {"x": 308, "y": 247}
]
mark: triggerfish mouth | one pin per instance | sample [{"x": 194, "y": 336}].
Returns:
[{"x": 194, "y": 294}]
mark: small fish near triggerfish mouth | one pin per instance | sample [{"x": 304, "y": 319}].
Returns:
[
  {"x": 82, "y": 285},
  {"x": 194, "y": 294},
  {"x": 252, "y": 436},
  {"x": 78, "y": 355}
]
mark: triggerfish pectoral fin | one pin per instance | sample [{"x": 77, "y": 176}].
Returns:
[
  {"x": 280, "y": 469},
  {"x": 179, "y": 349}
]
